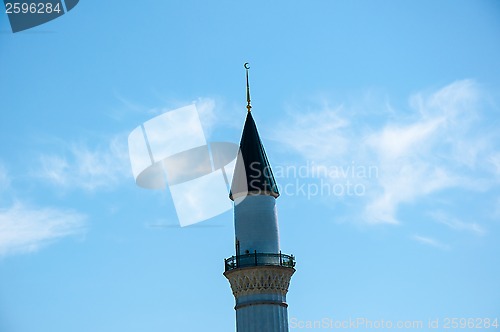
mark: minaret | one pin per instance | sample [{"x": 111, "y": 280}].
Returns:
[{"x": 259, "y": 273}]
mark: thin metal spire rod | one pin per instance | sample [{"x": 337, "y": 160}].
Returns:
[{"x": 249, "y": 107}]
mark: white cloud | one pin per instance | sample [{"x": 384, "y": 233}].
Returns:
[
  {"x": 494, "y": 160},
  {"x": 495, "y": 214},
  {"x": 206, "y": 107},
  {"x": 402, "y": 183},
  {"x": 441, "y": 143},
  {"x": 206, "y": 112},
  {"x": 24, "y": 229},
  {"x": 456, "y": 224},
  {"x": 317, "y": 135},
  {"x": 395, "y": 141},
  {"x": 86, "y": 168},
  {"x": 4, "y": 178},
  {"x": 438, "y": 150},
  {"x": 431, "y": 242}
]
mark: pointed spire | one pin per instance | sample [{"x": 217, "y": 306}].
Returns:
[
  {"x": 249, "y": 107},
  {"x": 252, "y": 173}
]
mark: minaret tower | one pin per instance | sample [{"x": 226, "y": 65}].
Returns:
[{"x": 259, "y": 273}]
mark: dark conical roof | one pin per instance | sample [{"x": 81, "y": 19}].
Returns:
[{"x": 252, "y": 174}]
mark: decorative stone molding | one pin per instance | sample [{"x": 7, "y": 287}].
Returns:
[{"x": 260, "y": 280}]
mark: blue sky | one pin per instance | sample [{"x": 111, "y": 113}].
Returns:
[{"x": 409, "y": 90}]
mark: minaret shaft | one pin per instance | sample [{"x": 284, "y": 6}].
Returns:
[
  {"x": 259, "y": 273},
  {"x": 256, "y": 225}
]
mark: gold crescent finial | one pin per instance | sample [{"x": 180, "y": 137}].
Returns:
[{"x": 249, "y": 107}]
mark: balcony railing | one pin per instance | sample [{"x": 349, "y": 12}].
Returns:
[{"x": 258, "y": 259}]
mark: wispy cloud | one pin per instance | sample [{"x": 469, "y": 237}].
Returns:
[
  {"x": 437, "y": 150},
  {"x": 4, "y": 178},
  {"x": 431, "y": 242},
  {"x": 494, "y": 160},
  {"x": 440, "y": 141},
  {"x": 24, "y": 229},
  {"x": 319, "y": 135},
  {"x": 395, "y": 141},
  {"x": 103, "y": 166},
  {"x": 206, "y": 111},
  {"x": 456, "y": 224},
  {"x": 84, "y": 167}
]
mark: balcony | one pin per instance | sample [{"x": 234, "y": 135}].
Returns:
[{"x": 258, "y": 259}]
